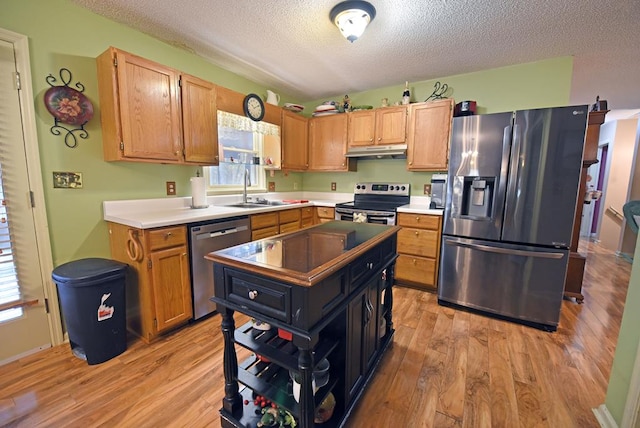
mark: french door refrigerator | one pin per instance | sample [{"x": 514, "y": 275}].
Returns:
[{"x": 513, "y": 184}]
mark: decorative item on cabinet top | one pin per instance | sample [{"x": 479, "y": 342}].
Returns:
[
  {"x": 440, "y": 91},
  {"x": 69, "y": 106}
]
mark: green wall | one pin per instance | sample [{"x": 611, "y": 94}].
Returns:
[
  {"x": 62, "y": 34},
  {"x": 626, "y": 350}
]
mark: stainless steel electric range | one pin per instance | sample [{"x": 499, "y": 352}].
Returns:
[{"x": 374, "y": 203}]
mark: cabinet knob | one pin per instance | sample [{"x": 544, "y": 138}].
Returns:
[
  {"x": 253, "y": 294},
  {"x": 168, "y": 235},
  {"x": 417, "y": 218},
  {"x": 417, "y": 233},
  {"x": 371, "y": 139},
  {"x": 414, "y": 261},
  {"x": 379, "y": 138},
  {"x": 177, "y": 152}
]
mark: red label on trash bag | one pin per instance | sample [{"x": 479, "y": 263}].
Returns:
[{"x": 105, "y": 312}]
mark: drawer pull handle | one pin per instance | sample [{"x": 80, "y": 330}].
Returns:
[
  {"x": 253, "y": 294},
  {"x": 369, "y": 265}
]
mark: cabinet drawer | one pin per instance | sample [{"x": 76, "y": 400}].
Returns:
[
  {"x": 270, "y": 298},
  {"x": 307, "y": 212},
  {"x": 306, "y": 222},
  {"x": 289, "y": 227},
  {"x": 419, "y": 242},
  {"x": 362, "y": 267},
  {"x": 421, "y": 221},
  {"x": 288, "y": 216},
  {"x": 324, "y": 212},
  {"x": 259, "y": 221},
  {"x": 264, "y": 233},
  {"x": 166, "y": 237},
  {"x": 416, "y": 270}
]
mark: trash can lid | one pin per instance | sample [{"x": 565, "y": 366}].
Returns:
[{"x": 87, "y": 271}]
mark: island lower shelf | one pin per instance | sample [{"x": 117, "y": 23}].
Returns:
[{"x": 352, "y": 336}]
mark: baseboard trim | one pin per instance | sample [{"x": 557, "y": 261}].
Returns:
[
  {"x": 604, "y": 417},
  {"x": 25, "y": 354}
]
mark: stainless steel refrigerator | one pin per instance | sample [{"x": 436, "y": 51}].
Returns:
[{"x": 512, "y": 189}]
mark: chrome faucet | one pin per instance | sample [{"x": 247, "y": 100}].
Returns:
[{"x": 244, "y": 192}]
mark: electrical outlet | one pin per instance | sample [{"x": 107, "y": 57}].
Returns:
[
  {"x": 427, "y": 189},
  {"x": 272, "y": 186},
  {"x": 171, "y": 188},
  {"x": 295, "y": 186},
  {"x": 333, "y": 186}
]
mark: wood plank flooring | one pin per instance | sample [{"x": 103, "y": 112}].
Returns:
[{"x": 446, "y": 368}]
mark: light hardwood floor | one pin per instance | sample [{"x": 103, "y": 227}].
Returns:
[{"x": 446, "y": 368}]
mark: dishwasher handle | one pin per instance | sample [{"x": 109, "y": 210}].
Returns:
[{"x": 221, "y": 232}]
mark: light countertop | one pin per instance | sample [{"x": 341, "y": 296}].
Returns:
[
  {"x": 160, "y": 212},
  {"x": 150, "y": 213}
]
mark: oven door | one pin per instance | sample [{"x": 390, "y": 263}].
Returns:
[{"x": 366, "y": 216}]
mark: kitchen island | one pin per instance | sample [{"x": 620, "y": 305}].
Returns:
[{"x": 326, "y": 293}]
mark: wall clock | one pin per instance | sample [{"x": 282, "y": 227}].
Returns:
[{"x": 253, "y": 107}]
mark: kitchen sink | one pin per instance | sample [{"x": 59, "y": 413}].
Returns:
[{"x": 257, "y": 204}]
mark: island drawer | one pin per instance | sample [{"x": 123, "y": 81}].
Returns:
[
  {"x": 360, "y": 269},
  {"x": 270, "y": 298}
]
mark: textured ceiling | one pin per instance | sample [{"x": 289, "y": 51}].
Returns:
[{"x": 291, "y": 46}]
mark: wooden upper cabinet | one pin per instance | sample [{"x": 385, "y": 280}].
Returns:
[
  {"x": 295, "y": 155},
  {"x": 143, "y": 107},
  {"x": 428, "y": 136},
  {"x": 328, "y": 144},
  {"x": 200, "y": 120},
  {"x": 381, "y": 126}
]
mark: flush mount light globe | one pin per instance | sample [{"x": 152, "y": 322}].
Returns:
[{"x": 352, "y": 17}]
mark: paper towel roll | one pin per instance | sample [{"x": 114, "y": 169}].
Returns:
[{"x": 198, "y": 192}]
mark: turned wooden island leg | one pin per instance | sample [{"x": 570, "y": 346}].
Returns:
[
  {"x": 232, "y": 400},
  {"x": 307, "y": 402}
]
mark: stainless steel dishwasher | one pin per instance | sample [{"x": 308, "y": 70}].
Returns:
[{"x": 205, "y": 237}]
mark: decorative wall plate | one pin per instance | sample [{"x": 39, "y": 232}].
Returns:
[{"x": 68, "y": 105}]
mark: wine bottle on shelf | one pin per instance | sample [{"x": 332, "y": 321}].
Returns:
[{"x": 406, "y": 95}]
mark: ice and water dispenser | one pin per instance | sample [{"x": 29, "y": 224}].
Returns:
[{"x": 477, "y": 197}]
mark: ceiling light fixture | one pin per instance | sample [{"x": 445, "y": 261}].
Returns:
[{"x": 352, "y": 17}]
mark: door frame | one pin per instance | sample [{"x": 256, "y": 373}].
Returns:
[{"x": 34, "y": 172}]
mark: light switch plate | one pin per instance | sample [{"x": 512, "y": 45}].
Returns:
[
  {"x": 333, "y": 186},
  {"x": 67, "y": 180},
  {"x": 272, "y": 186}
]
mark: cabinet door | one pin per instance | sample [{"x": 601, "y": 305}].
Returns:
[
  {"x": 328, "y": 144},
  {"x": 362, "y": 128},
  {"x": 294, "y": 141},
  {"x": 171, "y": 287},
  {"x": 391, "y": 125},
  {"x": 355, "y": 318},
  {"x": 200, "y": 121},
  {"x": 370, "y": 325},
  {"x": 149, "y": 109},
  {"x": 429, "y": 132}
]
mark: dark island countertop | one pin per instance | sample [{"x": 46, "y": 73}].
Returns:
[{"x": 307, "y": 256}]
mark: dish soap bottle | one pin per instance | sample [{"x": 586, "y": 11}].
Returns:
[{"x": 406, "y": 95}]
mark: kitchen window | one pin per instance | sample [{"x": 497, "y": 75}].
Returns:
[{"x": 241, "y": 143}]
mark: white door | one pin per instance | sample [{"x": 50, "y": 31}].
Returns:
[{"x": 24, "y": 321}]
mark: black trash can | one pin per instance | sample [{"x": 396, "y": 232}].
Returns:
[{"x": 92, "y": 297}]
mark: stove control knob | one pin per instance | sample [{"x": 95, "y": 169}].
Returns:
[{"x": 404, "y": 188}]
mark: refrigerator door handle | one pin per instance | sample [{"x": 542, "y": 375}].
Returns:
[{"x": 489, "y": 249}]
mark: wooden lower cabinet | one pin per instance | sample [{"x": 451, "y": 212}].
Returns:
[
  {"x": 418, "y": 250},
  {"x": 272, "y": 223},
  {"x": 306, "y": 218},
  {"x": 325, "y": 214},
  {"x": 158, "y": 291}
]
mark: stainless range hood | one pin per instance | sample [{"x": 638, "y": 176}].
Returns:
[{"x": 392, "y": 151}]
